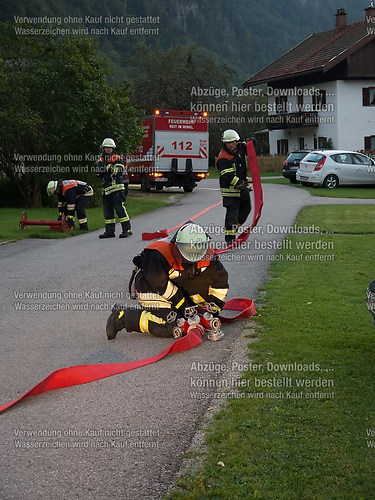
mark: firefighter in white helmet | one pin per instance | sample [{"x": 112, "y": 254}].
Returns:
[
  {"x": 171, "y": 275},
  {"x": 73, "y": 197},
  {"x": 234, "y": 185},
  {"x": 111, "y": 169}
]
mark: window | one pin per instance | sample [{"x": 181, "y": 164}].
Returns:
[
  {"x": 368, "y": 96},
  {"x": 360, "y": 159},
  {"x": 301, "y": 141},
  {"x": 282, "y": 146},
  {"x": 320, "y": 99},
  {"x": 281, "y": 104},
  {"x": 370, "y": 143},
  {"x": 342, "y": 158},
  {"x": 297, "y": 156},
  {"x": 313, "y": 157},
  {"x": 299, "y": 102}
]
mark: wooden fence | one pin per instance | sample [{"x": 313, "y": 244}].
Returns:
[{"x": 271, "y": 163}]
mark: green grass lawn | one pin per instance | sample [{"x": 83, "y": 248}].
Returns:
[
  {"x": 304, "y": 426},
  {"x": 348, "y": 219},
  {"x": 270, "y": 174},
  {"x": 137, "y": 203},
  {"x": 365, "y": 192}
]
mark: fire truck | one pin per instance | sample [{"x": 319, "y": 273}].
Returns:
[{"x": 174, "y": 151}]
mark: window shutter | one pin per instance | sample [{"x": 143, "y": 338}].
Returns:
[
  {"x": 323, "y": 97},
  {"x": 366, "y": 97}
]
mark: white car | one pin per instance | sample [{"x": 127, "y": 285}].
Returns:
[{"x": 332, "y": 168}]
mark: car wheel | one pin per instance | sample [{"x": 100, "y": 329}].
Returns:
[{"x": 331, "y": 181}]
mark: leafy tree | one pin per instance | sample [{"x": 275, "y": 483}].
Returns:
[
  {"x": 56, "y": 106},
  {"x": 166, "y": 78}
]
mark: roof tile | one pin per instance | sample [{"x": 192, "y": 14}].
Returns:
[{"x": 312, "y": 53}]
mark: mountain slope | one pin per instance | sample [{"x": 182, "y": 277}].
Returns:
[{"x": 247, "y": 34}]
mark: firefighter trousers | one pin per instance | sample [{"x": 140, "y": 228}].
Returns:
[
  {"x": 115, "y": 202},
  {"x": 81, "y": 206},
  {"x": 153, "y": 321},
  {"x": 238, "y": 209}
]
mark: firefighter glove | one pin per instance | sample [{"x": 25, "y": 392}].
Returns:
[{"x": 241, "y": 185}]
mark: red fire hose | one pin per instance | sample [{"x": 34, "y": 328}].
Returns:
[
  {"x": 258, "y": 205},
  {"x": 83, "y": 374}
]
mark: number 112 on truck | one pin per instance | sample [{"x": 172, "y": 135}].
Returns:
[{"x": 173, "y": 152}]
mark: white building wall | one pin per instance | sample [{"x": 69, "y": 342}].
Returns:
[
  {"x": 328, "y": 120},
  {"x": 355, "y": 121}
]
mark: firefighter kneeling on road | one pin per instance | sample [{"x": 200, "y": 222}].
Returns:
[
  {"x": 73, "y": 196},
  {"x": 172, "y": 275},
  {"x": 234, "y": 184},
  {"x": 111, "y": 169}
]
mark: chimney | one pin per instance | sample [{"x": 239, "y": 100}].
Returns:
[
  {"x": 341, "y": 19},
  {"x": 370, "y": 11}
]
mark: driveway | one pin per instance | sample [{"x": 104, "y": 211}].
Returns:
[{"x": 125, "y": 436}]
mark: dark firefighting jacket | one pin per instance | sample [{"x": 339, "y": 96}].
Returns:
[
  {"x": 164, "y": 272},
  {"x": 112, "y": 170},
  {"x": 233, "y": 172},
  {"x": 69, "y": 192}
]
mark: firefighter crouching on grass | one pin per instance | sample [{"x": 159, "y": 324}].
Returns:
[
  {"x": 172, "y": 275},
  {"x": 73, "y": 196},
  {"x": 234, "y": 184},
  {"x": 111, "y": 169}
]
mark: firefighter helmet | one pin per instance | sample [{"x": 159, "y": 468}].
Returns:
[
  {"x": 51, "y": 188},
  {"x": 108, "y": 143},
  {"x": 192, "y": 242},
  {"x": 230, "y": 136}
]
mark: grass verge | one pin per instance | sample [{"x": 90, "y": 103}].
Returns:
[
  {"x": 364, "y": 192},
  {"x": 304, "y": 426},
  {"x": 137, "y": 203}
]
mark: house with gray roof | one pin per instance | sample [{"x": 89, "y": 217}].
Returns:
[{"x": 321, "y": 93}]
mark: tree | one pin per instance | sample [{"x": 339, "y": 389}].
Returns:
[
  {"x": 191, "y": 78},
  {"x": 167, "y": 78},
  {"x": 56, "y": 106}
]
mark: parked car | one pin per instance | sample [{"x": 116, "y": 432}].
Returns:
[
  {"x": 291, "y": 164},
  {"x": 333, "y": 168}
]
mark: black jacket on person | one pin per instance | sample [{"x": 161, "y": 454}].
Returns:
[{"x": 163, "y": 271}]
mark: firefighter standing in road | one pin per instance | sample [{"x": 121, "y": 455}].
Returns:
[
  {"x": 73, "y": 196},
  {"x": 234, "y": 185},
  {"x": 111, "y": 169},
  {"x": 172, "y": 275}
]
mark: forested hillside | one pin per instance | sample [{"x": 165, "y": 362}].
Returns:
[{"x": 247, "y": 34}]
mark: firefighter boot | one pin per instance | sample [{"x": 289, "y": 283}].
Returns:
[
  {"x": 126, "y": 231},
  {"x": 109, "y": 232},
  {"x": 70, "y": 222},
  {"x": 83, "y": 227},
  {"x": 115, "y": 322}
]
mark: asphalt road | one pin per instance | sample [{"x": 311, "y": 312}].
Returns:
[{"x": 125, "y": 436}]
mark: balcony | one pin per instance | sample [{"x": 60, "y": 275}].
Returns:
[{"x": 292, "y": 120}]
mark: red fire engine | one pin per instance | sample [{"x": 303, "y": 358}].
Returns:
[{"x": 174, "y": 151}]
